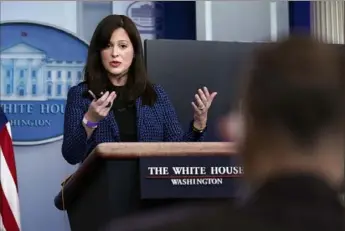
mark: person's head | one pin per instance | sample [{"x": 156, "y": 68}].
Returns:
[
  {"x": 293, "y": 111},
  {"x": 115, "y": 56}
]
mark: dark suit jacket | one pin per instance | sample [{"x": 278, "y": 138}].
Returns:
[
  {"x": 158, "y": 123},
  {"x": 296, "y": 203}
]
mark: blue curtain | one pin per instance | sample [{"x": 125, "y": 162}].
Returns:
[
  {"x": 177, "y": 21},
  {"x": 299, "y": 16}
]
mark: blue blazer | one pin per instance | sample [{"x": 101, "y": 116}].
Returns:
[{"x": 157, "y": 123}]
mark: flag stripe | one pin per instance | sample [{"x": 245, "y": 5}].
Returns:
[
  {"x": 9, "y": 221},
  {"x": 8, "y": 153},
  {"x": 9, "y": 199},
  {"x": 9, "y": 190},
  {"x": 8, "y": 126},
  {"x": 2, "y": 227}
]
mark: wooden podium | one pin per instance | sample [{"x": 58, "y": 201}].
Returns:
[{"x": 89, "y": 195}]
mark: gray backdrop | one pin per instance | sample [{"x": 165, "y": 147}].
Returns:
[{"x": 182, "y": 67}]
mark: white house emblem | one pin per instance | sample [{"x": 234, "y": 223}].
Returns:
[
  {"x": 147, "y": 16},
  {"x": 38, "y": 65}
]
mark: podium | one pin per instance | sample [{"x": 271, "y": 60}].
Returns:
[{"x": 90, "y": 195}]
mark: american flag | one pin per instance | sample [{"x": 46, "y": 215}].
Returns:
[{"x": 9, "y": 200}]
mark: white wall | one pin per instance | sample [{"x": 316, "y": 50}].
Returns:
[
  {"x": 241, "y": 21},
  {"x": 58, "y": 13},
  {"x": 90, "y": 14}
]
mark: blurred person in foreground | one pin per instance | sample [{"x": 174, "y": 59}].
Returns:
[{"x": 292, "y": 125}]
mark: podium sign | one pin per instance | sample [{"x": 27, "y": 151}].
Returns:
[
  {"x": 189, "y": 177},
  {"x": 168, "y": 170}
]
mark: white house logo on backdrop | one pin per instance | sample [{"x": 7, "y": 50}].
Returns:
[
  {"x": 39, "y": 64},
  {"x": 146, "y": 15}
]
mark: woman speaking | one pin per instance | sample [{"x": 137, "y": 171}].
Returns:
[{"x": 117, "y": 103}]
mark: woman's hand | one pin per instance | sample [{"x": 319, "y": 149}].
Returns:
[
  {"x": 203, "y": 101},
  {"x": 99, "y": 109}
]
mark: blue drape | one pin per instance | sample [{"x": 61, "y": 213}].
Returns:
[
  {"x": 299, "y": 16},
  {"x": 178, "y": 20}
]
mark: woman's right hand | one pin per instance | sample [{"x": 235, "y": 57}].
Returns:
[{"x": 98, "y": 108}]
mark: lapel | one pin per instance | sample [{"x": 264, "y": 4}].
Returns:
[
  {"x": 140, "y": 117},
  {"x": 114, "y": 127}
]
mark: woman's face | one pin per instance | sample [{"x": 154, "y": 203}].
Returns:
[{"x": 118, "y": 55}]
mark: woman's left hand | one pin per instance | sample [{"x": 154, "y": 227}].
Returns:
[{"x": 203, "y": 101}]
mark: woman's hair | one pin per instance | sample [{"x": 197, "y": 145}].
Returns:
[{"x": 96, "y": 75}]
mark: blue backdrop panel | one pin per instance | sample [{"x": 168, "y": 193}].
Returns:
[
  {"x": 300, "y": 16},
  {"x": 179, "y": 20}
]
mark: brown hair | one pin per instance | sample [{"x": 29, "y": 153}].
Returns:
[
  {"x": 95, "y": 74},
  {"x": 297, "y": 84}
]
